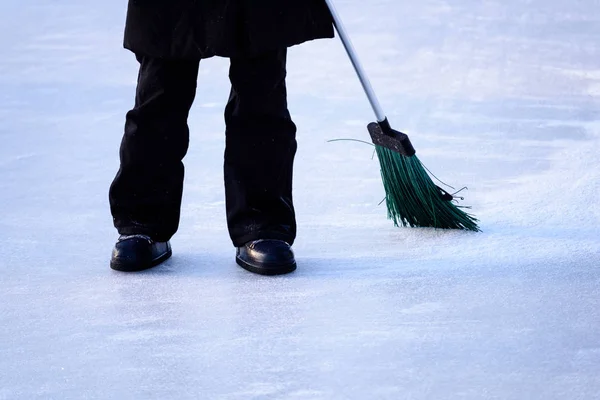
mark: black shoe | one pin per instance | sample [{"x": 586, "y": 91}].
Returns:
[
  {"x": 138, "y": 252},
  {"x": 266, "y": 257}
]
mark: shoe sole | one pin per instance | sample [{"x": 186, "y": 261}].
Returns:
[
  {"x": 262, "y": 270},
  {"x": 127, "y": 267}
]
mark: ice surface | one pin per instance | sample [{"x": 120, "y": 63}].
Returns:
[{"x": 500, "y": 96}]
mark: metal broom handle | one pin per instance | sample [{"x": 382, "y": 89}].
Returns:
[{"x": 339, "y": 26}]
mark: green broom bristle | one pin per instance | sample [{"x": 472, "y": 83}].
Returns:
[{"x": 413, "y": 199}]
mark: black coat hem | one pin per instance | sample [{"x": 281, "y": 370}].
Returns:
[{"x": 152, "y": 51}]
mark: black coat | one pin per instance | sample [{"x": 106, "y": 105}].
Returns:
[{"x": 195, "y": 29}]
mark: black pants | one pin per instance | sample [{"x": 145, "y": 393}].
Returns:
[{"x": 145, "y": 196}]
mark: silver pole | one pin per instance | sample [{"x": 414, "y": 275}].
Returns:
[{"x": 339, "y": 26}]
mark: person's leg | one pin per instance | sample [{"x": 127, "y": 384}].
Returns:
[
  {"x": 145, "y": 196},
  {"x": 259, "y": 157},
  {"x": 260, "y": 149}
]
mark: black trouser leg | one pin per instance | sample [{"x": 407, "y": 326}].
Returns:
[
  {"x": 260, "y": 149},
  {"x": 145, "y": 196}
]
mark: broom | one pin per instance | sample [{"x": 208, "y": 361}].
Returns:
[{"x": 412, "y": 199}]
